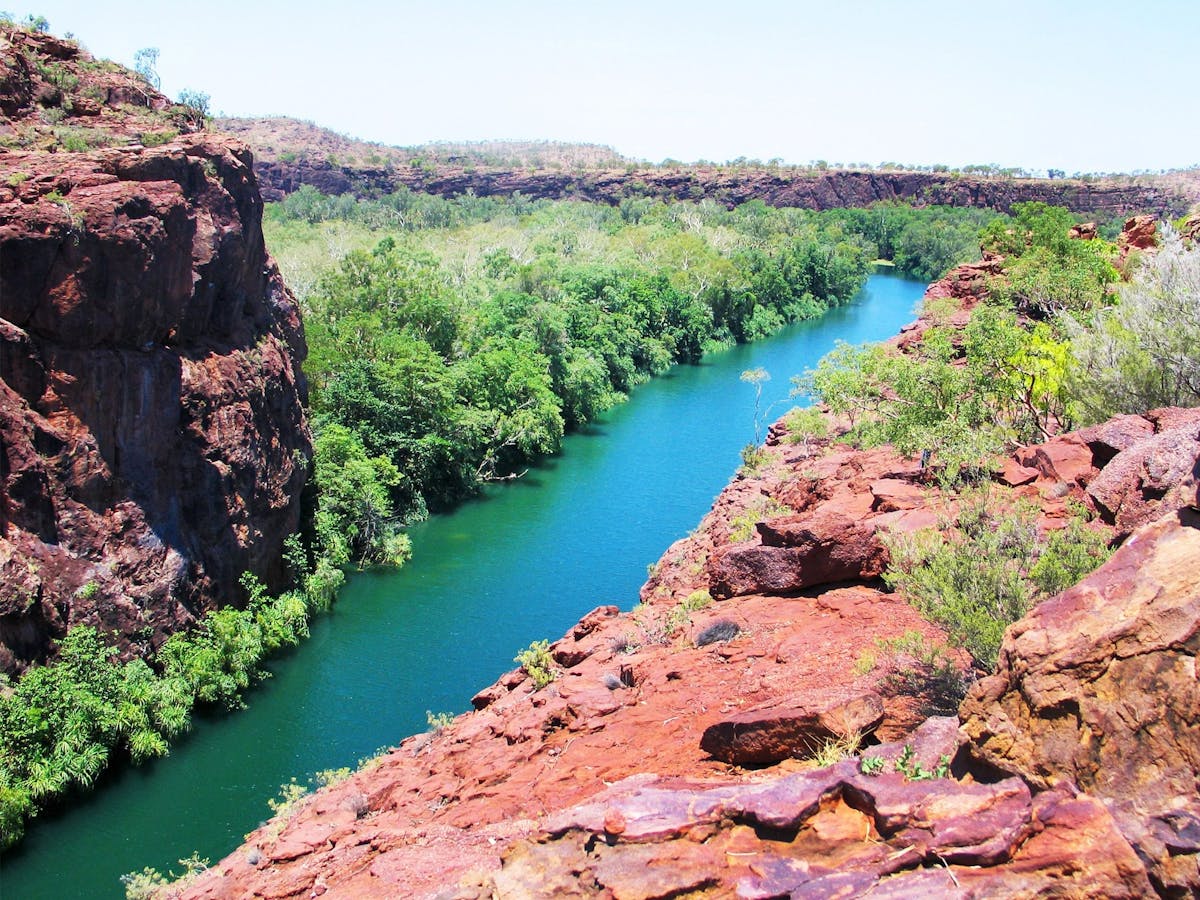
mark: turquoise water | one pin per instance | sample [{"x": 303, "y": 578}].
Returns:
[{"x": 524, "y": 562}]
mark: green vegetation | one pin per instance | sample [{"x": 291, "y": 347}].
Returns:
[
  {"x": 193, "y": 107},
  {"x": 966, "y": 394},
  {"x": 805, "y": 424},
  {"x": 457, "y": 341},
  {"x": 680, "y": 615},
  {"x": 1046, "y": 271},
  {"x": 149, "y": 883},
  {"x": 914, "y": 666},
  {"x": 924, "y": 242},
  {"x": 538, "y": 664},
  {"x": 905, "y": 764},
  {"x": 741, "y": 526},
  {"x": 63, "y": 722},
  {"x": 833, "y": 750},
  {"x": 438, "y": 722},
  {"x": 989, "y": 573},
  {"x": 1142, "y": 352}
]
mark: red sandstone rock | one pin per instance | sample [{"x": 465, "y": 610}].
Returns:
[
  {"x": 1065, "y": 458},
  {"x": 819, "y": 190},
  {"x": 1097, "y": 687},
  {"x": 1191, "y": 228},
  {"x": 1139, "y": 233},
  {"x": 152, "y": 437},
  {"x": 1014, "y": 474},
  {"x": 1152, "y": 475},
  {"x": 777, "y": 732},
  {"x": 515, "y": 798},
  {"x": 833, "y": 833},
  {"x": 1119, "y": 433}
]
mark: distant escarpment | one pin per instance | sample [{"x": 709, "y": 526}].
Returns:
[
  {"x": 828, "y": 190},
  {"x": 290, "y": 154},
  {"x": 153, "y": 444}
]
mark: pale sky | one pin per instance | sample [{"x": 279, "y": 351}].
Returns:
[{"x": 1079, "y": 85}]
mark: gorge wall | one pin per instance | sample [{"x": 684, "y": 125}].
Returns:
[
  {"x": 153, "y": 443},
  {"x": 280, "y": 176}
]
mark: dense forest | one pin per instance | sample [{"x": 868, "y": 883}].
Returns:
[{"x": 456, "y": 341}]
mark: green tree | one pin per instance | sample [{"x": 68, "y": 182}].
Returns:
[
  {"x": 757, "y": 377},
  {"x": 354, "y": 519},
  {"x": 1143, "y": 352},
  {"x": 145, "y": 63},
  {"x": 195, "y": 107}
]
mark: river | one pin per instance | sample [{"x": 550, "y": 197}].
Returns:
[{"x": 521, "y": 563}]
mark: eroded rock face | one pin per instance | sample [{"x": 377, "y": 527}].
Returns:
[
  {"x": 830, "y": 833},
  {"x": 1097, "y": 687},
  {"x": 1138, "y": 233},
  {"x": 153, "y": 444},
  {"x": 1156, "y": 473}
]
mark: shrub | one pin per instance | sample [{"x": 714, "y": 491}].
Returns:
[
  {"x": 977, "y": 581},
  {"x": 538, "y": 663},
  {"x": 754, "y": 458},
  {"x": 193, "y": 106},
  {"x": 157, "y": 138},
  {"x": 720, "y": 630},
  {"x": 917, "y": 667},
  {"x": 1142, "y": 353},
  {"x": 805, "y": 424},
  {"x": 1069, "y": 555},
  {"x": 438, "y": 721},
  {"x": 741, "y": 526}
]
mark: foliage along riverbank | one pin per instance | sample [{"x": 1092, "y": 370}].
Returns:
[{"x": 456, "y": 341}]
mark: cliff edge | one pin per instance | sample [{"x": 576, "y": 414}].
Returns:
[{"x": 153, "y": 443}]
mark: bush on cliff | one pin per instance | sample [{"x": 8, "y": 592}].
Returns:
[
  {"x": 962, "y": 396},
  {"x": 1144, "y": 352},
  {"x": 988, "y": 571},
  {"x": 1046, "y": 271}
]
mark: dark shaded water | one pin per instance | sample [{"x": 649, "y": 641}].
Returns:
[{"x": 522, "y": 563}]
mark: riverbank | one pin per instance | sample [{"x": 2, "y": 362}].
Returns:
[
  {"x": 523, "y": 562},
  {"x": 679, "y": 728}
]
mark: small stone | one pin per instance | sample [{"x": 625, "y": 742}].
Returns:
[{"x": 614, "y": 822}]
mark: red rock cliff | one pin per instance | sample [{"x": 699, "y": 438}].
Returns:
[{"x": 153, "y": 444}]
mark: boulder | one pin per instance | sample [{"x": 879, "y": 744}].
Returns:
[
  {"x": 1109, "y": 438},
  {"x": 1065, "y": 458},
  {"x": 779, "y": 732},
  {"x": 826, "y": 833},
  {"x": 1139, "y": 233},
  {"x": 1149, "y": 477},
  {"x": 1097, "y": 688},
  {"x": 799, "y": 552},
  {"x": 1191, "y": 228}
]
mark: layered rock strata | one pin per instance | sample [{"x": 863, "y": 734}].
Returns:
[
  {"x": 832, "y": 190},
  {"x": 153, "y": 444}
]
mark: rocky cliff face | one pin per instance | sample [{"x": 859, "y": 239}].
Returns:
[
  {"x": 831, "y": 190},
  {"x": 674, "y": 754},
  {"x": 153, "y": 444}
]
